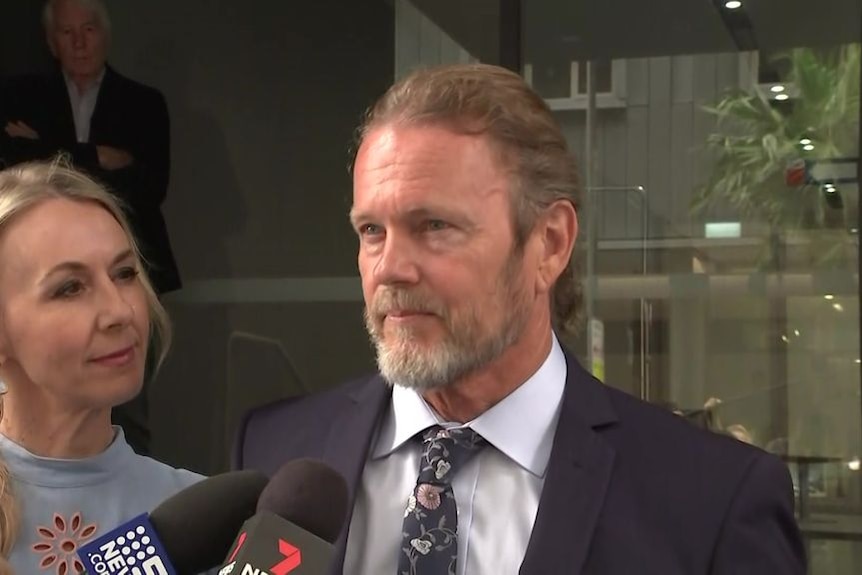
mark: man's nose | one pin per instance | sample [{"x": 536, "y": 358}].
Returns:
[{"x": 398, "y": 262}]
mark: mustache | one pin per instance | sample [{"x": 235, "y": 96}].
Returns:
[{"x": 388, "y": 300}]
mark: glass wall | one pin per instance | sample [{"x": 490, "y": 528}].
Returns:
[{"x": 719, "y": 145}]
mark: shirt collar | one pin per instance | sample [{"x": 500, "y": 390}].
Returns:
[
  {"x": 408, "y": 415},
  {"x": 535, "y": 404},
  {"x": 94, "y": 87}
]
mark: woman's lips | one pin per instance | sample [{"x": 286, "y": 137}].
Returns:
[{"x": 117, "y": 358}]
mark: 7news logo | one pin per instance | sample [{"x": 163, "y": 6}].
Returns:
[{"x": 292, "y": 559}]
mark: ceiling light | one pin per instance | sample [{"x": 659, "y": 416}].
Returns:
[
  {"x": 829, "y": 296},
  {"x": 838, "y": 307},
  {"x": 732, "y": 4},
  {"x": 782, "y": 97},
  {"x": 796, "y": 332},
  {"x": 808, "y": 148},
  {"x": 776, "y": 89},
  {"x": 804, "y": 141},
  {"x": 784, "y": 339},
  {"x": 858, "y": 360},
  {"x": 854, "y": 464},
  {"x": 854, "y": 230}
]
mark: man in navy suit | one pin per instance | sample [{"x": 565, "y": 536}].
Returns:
[
  {"x": 110, "y": 126},
  {"x": 465, "y": 206}
]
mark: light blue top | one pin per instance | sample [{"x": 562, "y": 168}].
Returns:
[{"x": 67, "y": 502}]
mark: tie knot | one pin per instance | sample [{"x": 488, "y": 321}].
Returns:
[{"x": 444, "y": 451}]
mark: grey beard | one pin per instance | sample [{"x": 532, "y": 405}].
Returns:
[{"x": 460, "y": 355}]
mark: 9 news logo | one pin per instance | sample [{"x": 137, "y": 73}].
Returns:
[{"x": 129, "y": 550}]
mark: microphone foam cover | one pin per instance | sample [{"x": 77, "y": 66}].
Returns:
[
  {"x": 197, "y": 525},
  {"x": 309, "y": 494}
]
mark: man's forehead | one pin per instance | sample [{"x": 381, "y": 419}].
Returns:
[{"x": 72, "y": 11}]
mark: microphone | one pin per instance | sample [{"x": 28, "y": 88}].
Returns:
[
  {"x": 186, "y": 534},
  {"x": 299, "y": 517}
]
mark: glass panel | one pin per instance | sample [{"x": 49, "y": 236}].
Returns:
[
  {"x": 419, "y": 41},
  {"x": 723, "y": 198}
]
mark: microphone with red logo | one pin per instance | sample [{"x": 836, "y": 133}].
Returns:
[
  {"x": 299, "y": 517},
  {"x": 188, "y": 533}
]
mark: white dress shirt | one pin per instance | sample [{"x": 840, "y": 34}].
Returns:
[
  {"x": 497, "y": 491},
  {"x": 83, "y": 104}
]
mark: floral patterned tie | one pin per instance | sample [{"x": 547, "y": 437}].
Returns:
[{"x": 430, "y": 530}]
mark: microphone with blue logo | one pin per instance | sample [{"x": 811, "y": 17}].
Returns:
[
  {"x": 188, "y": 533},
  {"x": 134, "y": 547}
]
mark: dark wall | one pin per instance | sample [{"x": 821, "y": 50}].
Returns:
[
  {"x": 22, "y": 43},
  {"x": 264, "y": 98}
]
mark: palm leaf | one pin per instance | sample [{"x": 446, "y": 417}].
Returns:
[{"x": 756, "y": 140}]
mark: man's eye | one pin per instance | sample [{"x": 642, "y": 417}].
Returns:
[
  {"x": 436, "y": 225},
  {"x": 369, "y": 229}
]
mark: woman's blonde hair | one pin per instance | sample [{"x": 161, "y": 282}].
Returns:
[
  {"x": 8, "y": 515},
  {"x": 22, "y": 187}
]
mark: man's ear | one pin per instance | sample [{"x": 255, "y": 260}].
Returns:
[{"x": 559, "y": 229}]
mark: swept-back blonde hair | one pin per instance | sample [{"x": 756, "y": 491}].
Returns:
[
  {"x": 8, "y": 515},
  {"x": 21, "y": 188}
]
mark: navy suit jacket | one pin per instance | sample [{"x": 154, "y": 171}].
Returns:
[
  {"x": 630, "y": 488},
  {"x": 127, "y": 115}
]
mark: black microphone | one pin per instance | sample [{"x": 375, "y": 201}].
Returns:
[
  {"x": 299, "y": 516},
  {"x": 197, "y": 525},
  {"x": 187, "y": 533}
]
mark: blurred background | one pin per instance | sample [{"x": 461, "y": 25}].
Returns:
[{"x": 718, "y": 142}]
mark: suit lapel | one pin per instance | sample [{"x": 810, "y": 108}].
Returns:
[
  {"x": 97, "y": 128},
  {"x": 65, "y": 125},
  {"x": 577, "y": 479},
  {"x": 349, "y": 441},
  {"x": 66, "y": 120}
]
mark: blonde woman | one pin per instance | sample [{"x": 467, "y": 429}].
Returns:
[{"x": 77, "y": 319}]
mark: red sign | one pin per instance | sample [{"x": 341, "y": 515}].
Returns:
[
  {"x": 238, "y": 547},
  {"x": 794, "y": 173},
  {"x": 292, "y": 558}
]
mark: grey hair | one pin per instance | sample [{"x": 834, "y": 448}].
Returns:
[{"x": 97, "y": 6}]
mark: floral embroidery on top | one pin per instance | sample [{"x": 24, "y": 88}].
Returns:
[{"x": 58, "y": 545}]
